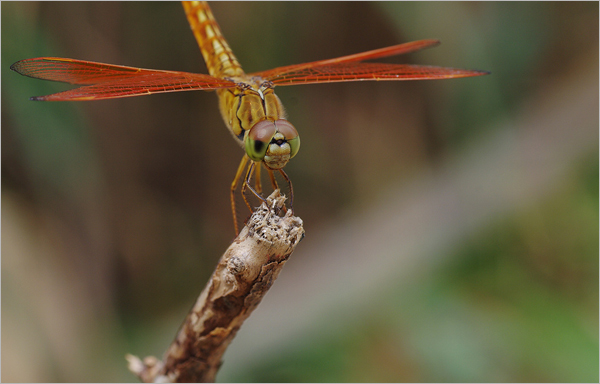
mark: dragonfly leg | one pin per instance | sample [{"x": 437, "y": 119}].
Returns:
[
  {"x": 285, "y": 176},
  {"x": 247, "y": 185},
  {"x": 257, "y": 191},
  {"x": 274, "y": 183},
  {"x": 257, "y": 181},
  {"x": 272, "y": 177},
  {"x": 234, "y": 184}
]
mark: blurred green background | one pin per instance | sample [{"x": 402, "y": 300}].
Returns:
[{"x": 451, "y": 226}]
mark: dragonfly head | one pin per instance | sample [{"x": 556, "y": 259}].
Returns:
[{"x": 272, "y": 142}]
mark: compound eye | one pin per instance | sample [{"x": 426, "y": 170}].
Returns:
[
  {"x": 258, "y": 139},
  {"x": 290, "y": 134}
]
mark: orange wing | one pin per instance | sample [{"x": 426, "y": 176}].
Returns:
[
  {"x": 350, "y": 68},
  {"x": 369, "y": 71},
  {"x": 108, "y": 81}
]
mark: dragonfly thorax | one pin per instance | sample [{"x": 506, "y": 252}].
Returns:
[
  {"x": 246, "y": 104},
  {"x": 273, "y": 142}
]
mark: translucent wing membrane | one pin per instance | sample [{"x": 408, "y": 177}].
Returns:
[
  {"x": 394, "y": 50},
  {"x": 106, "y": 81},
  {"x": 350, "y": 68},
  {"x": 368, "y": 71}
]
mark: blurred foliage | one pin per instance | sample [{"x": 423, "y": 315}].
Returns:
[
  {"x": 505, "y": 307},
  {"x": 115, "y": 212}
]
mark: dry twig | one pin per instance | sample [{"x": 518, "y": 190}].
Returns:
[{"x": 243, "y": 276}]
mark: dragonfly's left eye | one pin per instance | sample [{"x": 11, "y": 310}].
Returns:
[
  {"x": 291, "y": 135},
  {"x": 259, "y": 138}
]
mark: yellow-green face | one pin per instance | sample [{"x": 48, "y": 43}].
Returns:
[{"x": 273, "y": 142}]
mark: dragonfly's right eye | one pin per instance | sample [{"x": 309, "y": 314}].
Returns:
[{"x": 258, "y": 139}]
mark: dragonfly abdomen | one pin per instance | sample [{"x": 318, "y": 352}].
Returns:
[{"x": 219, "y": 58}]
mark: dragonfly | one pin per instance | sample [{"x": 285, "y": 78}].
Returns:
[{"x": 252, "y": 112}]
